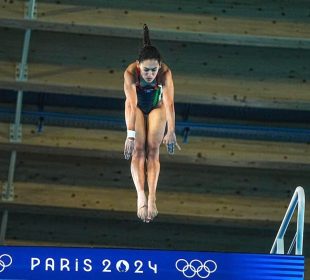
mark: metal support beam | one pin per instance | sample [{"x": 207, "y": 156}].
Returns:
[
  {"x": 16, "y": 129},
  {"x": 31, "y": 10},
  {"x": 41, "y": 100},
  {"x": 22, "y": 74},
  {"x": 8, "y": 188},
  {"x": 185, "y": 117},
  {"x": 4, "y": 224}
]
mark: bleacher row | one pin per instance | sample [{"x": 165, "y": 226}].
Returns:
[
  {"x": 222, "y": 53},
  {"x": 276, "y": 76}
]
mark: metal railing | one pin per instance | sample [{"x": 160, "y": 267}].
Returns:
[{"x": 278, "y": 245}]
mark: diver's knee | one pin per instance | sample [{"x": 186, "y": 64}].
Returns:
[
  {"x": 153, "y": 152},
  {"x": 139, "y": 152}
]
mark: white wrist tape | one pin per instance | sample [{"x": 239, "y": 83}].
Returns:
[{"x": 131, "y": 134}]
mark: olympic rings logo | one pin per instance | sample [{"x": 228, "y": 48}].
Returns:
[
  {"x": 5, "y": 261},
  {"x": 196, "y": 267}
]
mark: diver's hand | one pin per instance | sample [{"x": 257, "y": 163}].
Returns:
[
  {"x": 129, "y": 147},
  {"x": 170, "y": 140}
]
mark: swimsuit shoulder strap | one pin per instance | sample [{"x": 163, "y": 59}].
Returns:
[{"x": 138, "y": 76}]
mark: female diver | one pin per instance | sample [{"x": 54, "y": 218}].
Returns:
[{"x": 149, "y": 111}]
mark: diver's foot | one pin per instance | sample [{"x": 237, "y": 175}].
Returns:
[
  {"x": 152, "y": 209},
  {"x": 142, "y": 212}
]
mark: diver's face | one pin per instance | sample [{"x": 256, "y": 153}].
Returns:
[{"x": 149, "y": 69}]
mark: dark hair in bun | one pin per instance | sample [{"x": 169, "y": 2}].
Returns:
[{"x": 148, "y": 51}]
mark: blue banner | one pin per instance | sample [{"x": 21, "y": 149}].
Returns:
[{"x": 50, "y": 263}]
